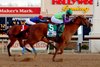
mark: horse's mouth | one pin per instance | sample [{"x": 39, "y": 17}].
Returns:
[{"x": 90, "y": 25}]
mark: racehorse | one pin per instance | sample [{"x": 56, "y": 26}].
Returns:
[
  {"x": 39, "y": 31},
  {"x": 14, "y": 33}
]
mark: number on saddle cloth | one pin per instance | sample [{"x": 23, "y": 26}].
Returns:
[{"x": 54, "y": 30}]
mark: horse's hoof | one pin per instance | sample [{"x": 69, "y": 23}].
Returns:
[
  {"x": 51, "y": 53},
  {"x": 10, "y": 55},
  {"x": 19, "y": 55},
  {"x": 58, "y": 60},
  {"x": 35, "y": 56}
]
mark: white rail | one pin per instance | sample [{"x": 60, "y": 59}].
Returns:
[{"x": 4, "y": 38}]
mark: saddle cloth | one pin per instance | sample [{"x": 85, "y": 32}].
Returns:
[{"x": 53, "y": 30}]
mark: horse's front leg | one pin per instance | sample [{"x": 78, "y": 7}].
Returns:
[
  {"x": 56, "y": 52},
  {"x": 62, "y": 48},
  {"x": 60, "y": 52}
]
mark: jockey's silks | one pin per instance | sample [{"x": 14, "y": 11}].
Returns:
[{"x": 59, "y": 15}]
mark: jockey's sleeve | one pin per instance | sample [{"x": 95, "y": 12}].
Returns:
[{"x": 66, "y": 19}]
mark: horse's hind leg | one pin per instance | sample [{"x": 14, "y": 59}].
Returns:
[
  {"x": 31, "y": 45},
  {"x": 12, "y": 41},
  {"x": 23, "y": 46},
  {"x": 33, "y": 49}
]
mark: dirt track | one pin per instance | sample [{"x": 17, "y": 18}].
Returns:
[{"x": 44, "y": 60}]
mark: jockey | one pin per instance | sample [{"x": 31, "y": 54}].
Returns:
[
  {"x": 62, "y": 17},
  {"x": 34, "y": 20}
]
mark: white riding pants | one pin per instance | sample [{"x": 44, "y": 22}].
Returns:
[
  {"x": 56, "y": 21},
  {"x": 29, "y": 22}
]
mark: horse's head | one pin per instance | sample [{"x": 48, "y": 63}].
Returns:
[{"x": 81, "y": 20}]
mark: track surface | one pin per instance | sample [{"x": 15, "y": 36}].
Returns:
[{"x": 44, "y": 60}]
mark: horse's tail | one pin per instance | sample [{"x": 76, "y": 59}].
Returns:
[{"x": 12, "y": 31}]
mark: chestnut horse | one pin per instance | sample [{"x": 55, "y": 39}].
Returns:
[
  {"x": 39, "y": 31},
  {"x": 14, "y": 33}
]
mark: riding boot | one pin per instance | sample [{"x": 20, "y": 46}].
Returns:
[
  {"x": 59, "y": 31},
  {"x": 60, "y": 28},
  {"x": 57, "y": 36}
]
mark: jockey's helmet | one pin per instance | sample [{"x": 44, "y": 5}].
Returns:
[
  {"x": 70, "y": 12},
  {"x": 40, "y": 16}
]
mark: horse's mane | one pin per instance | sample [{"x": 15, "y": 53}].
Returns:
[{"x": 74, "y": 19}]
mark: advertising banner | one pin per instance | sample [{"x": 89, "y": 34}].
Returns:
[
  {"x": 79, "y": 7},
  {"x": 38, "y": 46},
  {"x": 20, "y": 7},
  {"x": 20, "y": 10}
]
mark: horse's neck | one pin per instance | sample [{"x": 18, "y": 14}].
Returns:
[{"x": 72, "y": 28}]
